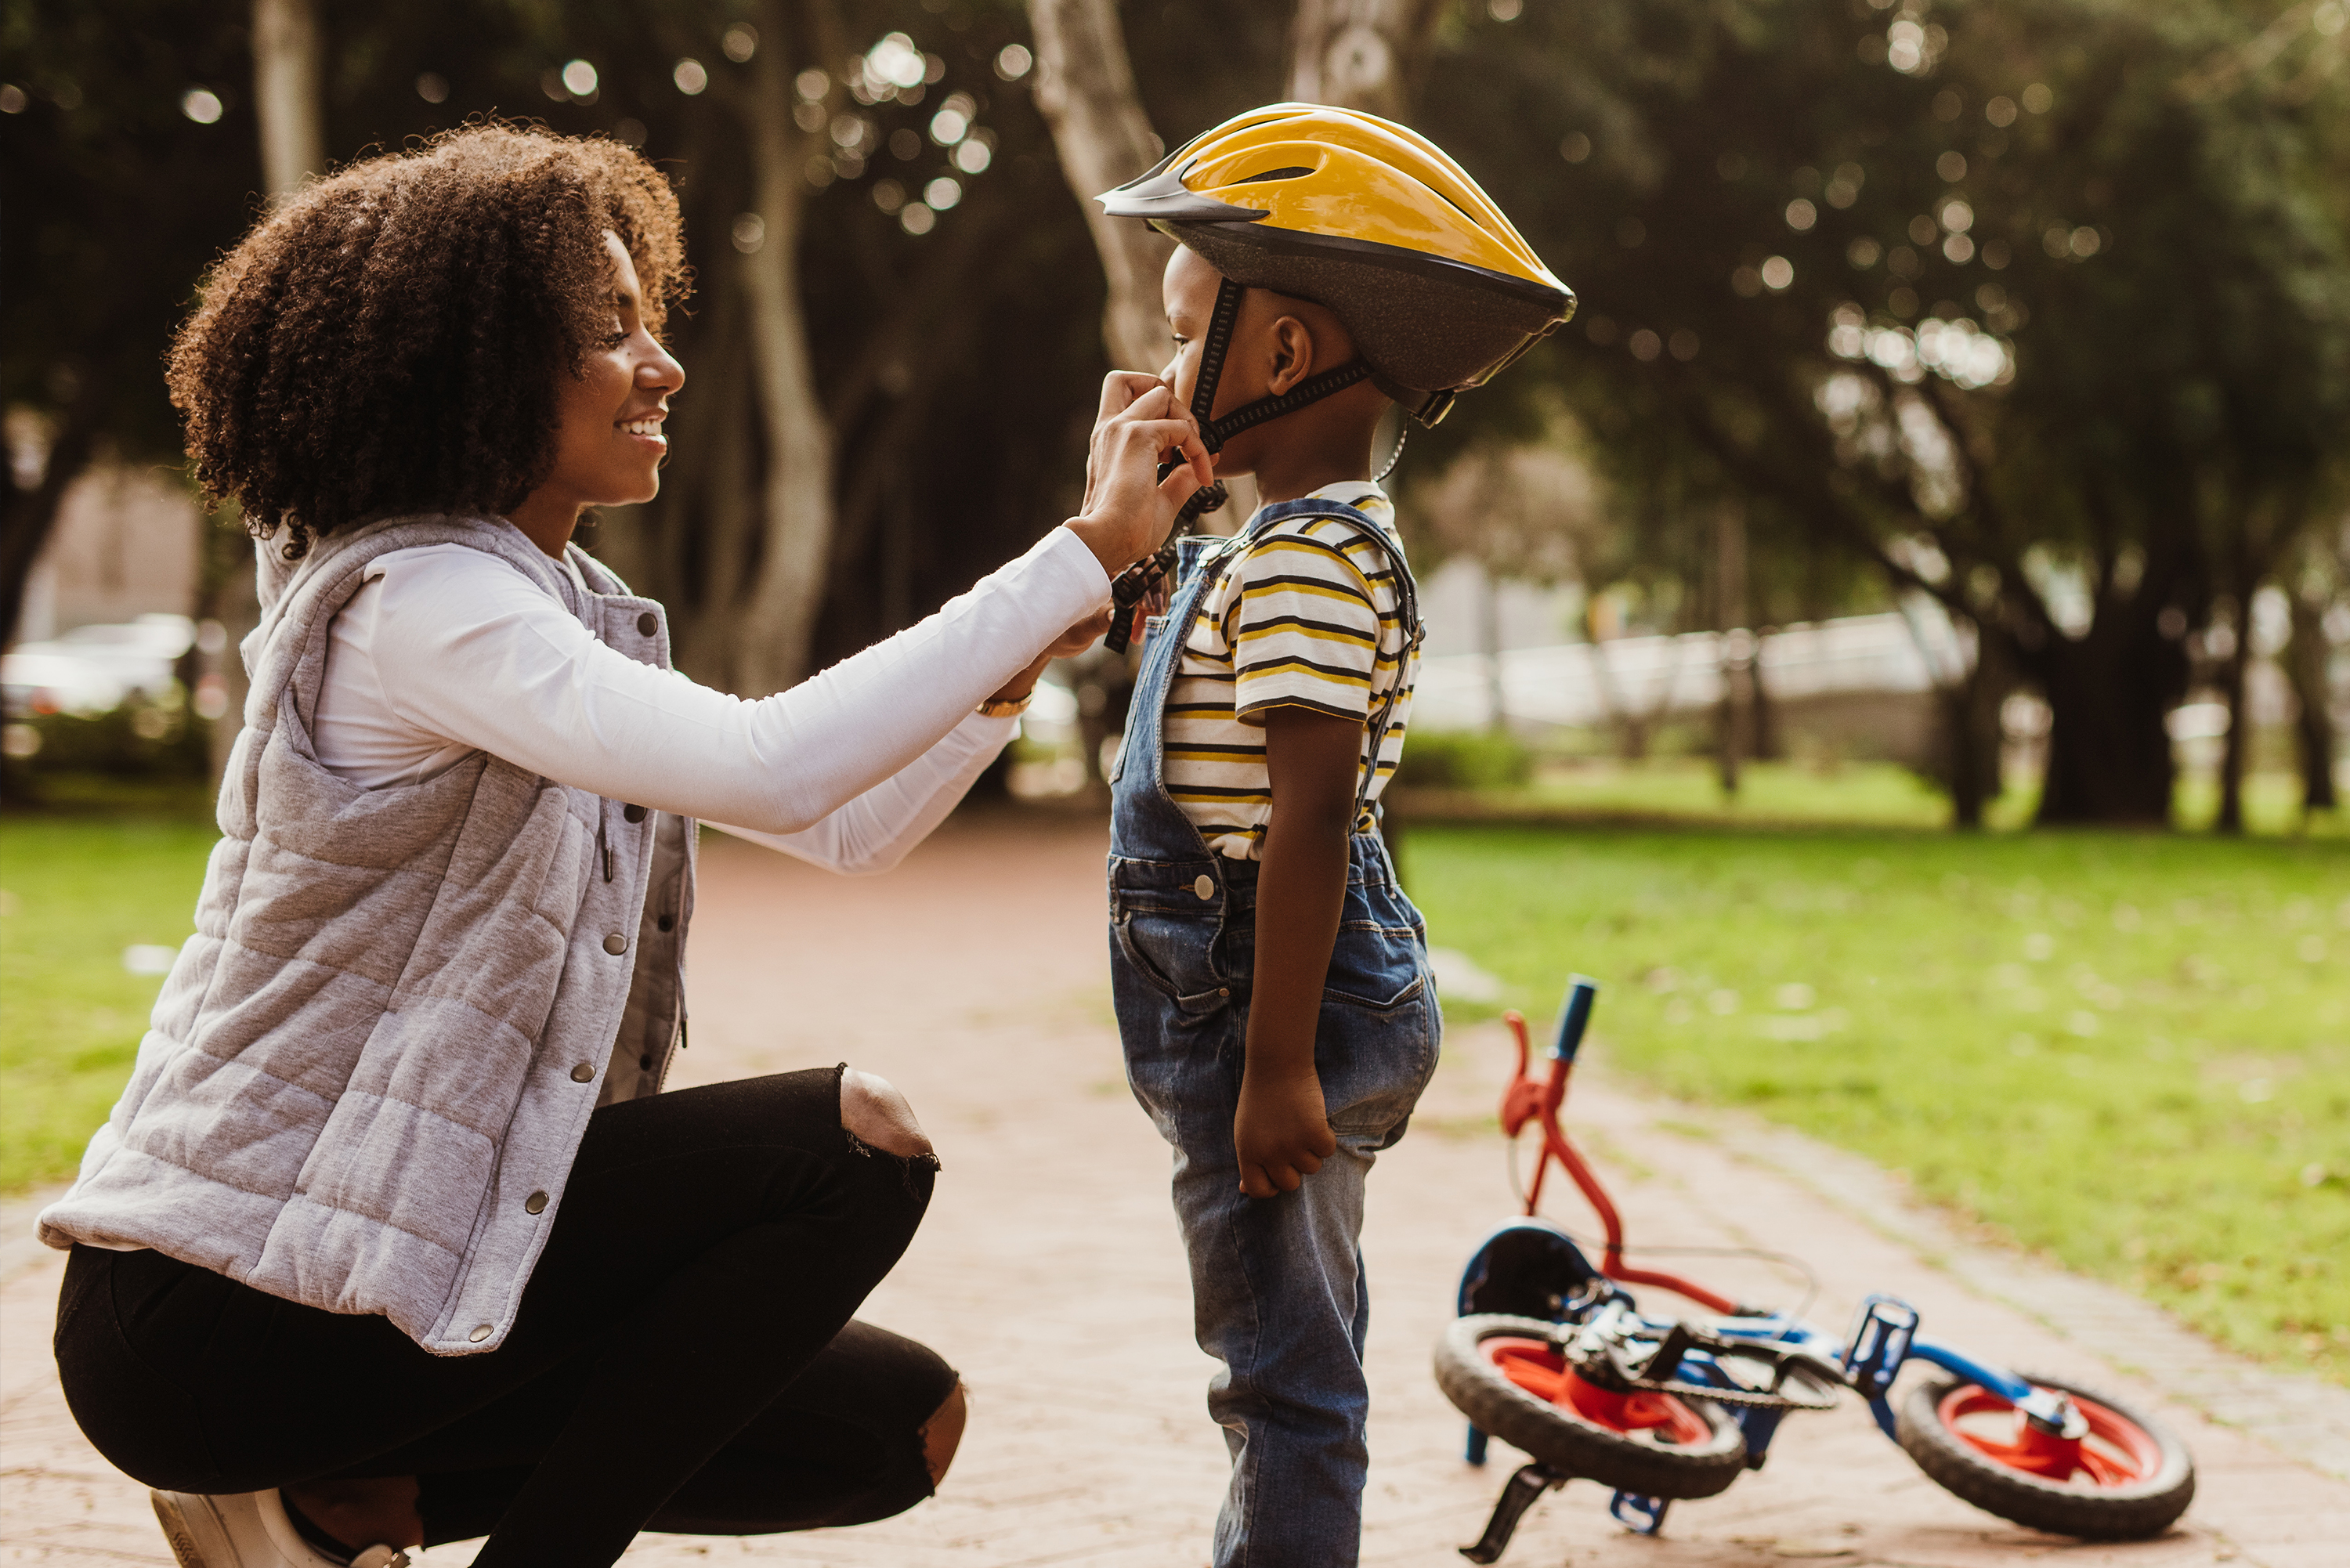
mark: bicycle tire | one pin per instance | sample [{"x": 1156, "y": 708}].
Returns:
[
  {"x": 1565, "y": 1439},
  {"x": 2134, "y": 1510}
]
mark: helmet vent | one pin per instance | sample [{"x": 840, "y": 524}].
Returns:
[{"x": 1289, "y": 173}]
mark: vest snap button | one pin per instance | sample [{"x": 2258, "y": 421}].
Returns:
[
  {"x": 481, "y": 1332},
  {"x": 633, "y": 813},
  {"x": 535, "y": 1204},
  {"x": 616, "y": 944},
  {"x": 648, "y": 623},
  {"x": 1205, "y": 886},
  {"x": 668, "y": 922},
  {"x": 582, "y": 1072}
]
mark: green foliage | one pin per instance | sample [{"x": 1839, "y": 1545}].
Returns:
[
  {"x": 78, "y": 891},
  {"x": 138, "y": 739},
  {"x": 1464, "y": 759},
  {"x": 2048, "y": 317},
  {"x": 2130, "y": 1053}
]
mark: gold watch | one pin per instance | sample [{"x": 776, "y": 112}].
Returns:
[{"x": 1006, "y": 707}]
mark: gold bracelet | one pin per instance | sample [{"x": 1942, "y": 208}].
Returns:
[{"x": 1006, "y": 707}]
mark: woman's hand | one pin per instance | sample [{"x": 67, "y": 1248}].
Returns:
[
  {"x": 1068, "y": 645},
  {"x": 1128, "y": 509}
]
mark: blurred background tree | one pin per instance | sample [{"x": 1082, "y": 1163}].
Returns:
[{"x": 2040, "y": 310}]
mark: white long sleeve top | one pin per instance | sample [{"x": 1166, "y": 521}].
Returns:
[{"x": 445, "y": 651}]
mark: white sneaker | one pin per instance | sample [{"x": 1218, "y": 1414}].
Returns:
[{"x": 247, "y": 1530}]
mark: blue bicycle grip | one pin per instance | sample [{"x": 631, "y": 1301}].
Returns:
[{"x": 1573, "y": 1016}]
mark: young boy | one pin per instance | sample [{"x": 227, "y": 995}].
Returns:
[{"x": 1271, "y": 978}]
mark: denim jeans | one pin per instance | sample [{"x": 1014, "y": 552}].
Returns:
[{"x": 1279, "y": 1295}]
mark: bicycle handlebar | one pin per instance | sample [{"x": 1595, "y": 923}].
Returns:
[
  {"x": 1573, "y": 1016},
  {"x": 1525, "y": 1100}
]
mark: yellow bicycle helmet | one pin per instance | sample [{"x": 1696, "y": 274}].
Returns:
[{"x": 1371, "y": 220}]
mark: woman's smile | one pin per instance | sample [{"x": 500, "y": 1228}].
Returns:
[{"x": 647, "y": 429}]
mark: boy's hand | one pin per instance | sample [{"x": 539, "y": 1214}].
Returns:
[
  {"x": 1128, "y": 509},
  {"x": 1281, "y": 1133}
]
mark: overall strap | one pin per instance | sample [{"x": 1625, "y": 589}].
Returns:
[{"x": 1382, "y": 718}]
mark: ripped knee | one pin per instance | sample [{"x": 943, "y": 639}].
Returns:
[
  {"x": 942, "y": 1433},
  {"x": 873, "y": 1113}
]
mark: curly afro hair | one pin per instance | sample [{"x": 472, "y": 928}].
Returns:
[{"x": 390, "y": 339}]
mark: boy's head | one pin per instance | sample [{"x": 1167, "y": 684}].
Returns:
[
  {"x": 1365, "y": 254},
  {"x": 1277, "y": 344}
]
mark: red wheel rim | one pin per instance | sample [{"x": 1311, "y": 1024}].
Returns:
[
  {"x": 1537, "y": 1367},
  {"x": 2116, "y": 1451}
]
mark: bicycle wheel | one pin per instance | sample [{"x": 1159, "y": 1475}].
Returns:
[
  {"x": 1505, "y": 1374},
  {"x": 2128, "y": 1479}
]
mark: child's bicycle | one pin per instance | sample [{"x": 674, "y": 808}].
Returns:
[{"x": 1550, "y": 1355}]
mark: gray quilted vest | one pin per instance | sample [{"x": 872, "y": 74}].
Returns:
[{"x": 368, "y": 1074}]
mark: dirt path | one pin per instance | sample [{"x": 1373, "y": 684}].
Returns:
[{"x": 1049, "y": 1272}]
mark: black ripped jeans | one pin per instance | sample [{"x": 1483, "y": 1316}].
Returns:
[{"x": 684, "y": 1359}]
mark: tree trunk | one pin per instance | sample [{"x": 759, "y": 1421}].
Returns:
[
  {"x": 2234, "y": 753},
  {"x": 1735, "y": 722},
  {"x": 778, "y": 621},
  {"x": 31, "y": 516},
  {"x": 285, "y": 71},
  {"x": 1489, "y": 629},
  {"x": 2313, "y": 727},
  {"x": 292, "y": 118},
  {"x": 2108, "y": 693},
  {"x": 1360, "y": 54},
  {"x": 1085, "y": 89},
  {"x": 1970, "y": 712}
]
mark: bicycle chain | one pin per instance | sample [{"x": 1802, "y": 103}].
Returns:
[
  {"x": 1750, "y": 1399},
  {"x": 1754, "y": 1399}
]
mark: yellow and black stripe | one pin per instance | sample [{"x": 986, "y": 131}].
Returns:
[{"x": 1309, "y": 617}]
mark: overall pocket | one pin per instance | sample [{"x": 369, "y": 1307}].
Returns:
[
  {"x": 1379, "y": 1036},
  {"x": 1171, "y": 954}
]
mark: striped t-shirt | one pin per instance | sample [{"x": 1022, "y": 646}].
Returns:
[{"x": 1309, "y": 616}]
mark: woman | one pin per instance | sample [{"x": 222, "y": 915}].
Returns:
[{"x": 391, "y": 1240}]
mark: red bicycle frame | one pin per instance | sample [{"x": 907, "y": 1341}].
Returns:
[{"x": 1530, "y": 1100}]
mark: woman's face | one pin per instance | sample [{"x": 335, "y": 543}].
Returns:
[{"x": 608, "y": 444}]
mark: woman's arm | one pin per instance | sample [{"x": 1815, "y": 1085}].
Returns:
[
  {"x": 874, "y": 832},
  {"x": 467, "y": 648}
]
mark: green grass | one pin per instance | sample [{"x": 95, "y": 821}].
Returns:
[
  {"x": 1688, "y": 791},
  {"x": 2131, "y": 1052},
  {"x": 74, "y": 892}
]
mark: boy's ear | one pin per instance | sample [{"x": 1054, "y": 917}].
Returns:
[{"x": 1293, "y": 353}]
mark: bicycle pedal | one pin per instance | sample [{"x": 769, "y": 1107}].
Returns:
[
  {"x": 1642, "y": 1515},
  {"x": 1879, "y": 1345}
]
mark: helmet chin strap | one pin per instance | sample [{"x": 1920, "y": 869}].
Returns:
[{"x": 1144, "y": 577}]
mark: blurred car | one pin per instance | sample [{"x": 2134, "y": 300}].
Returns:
[{"x": 95, "y": 668}]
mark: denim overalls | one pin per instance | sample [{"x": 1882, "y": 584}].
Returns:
[{"x": 1278, "y": 1290}]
